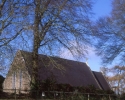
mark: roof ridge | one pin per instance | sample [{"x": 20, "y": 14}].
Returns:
[{"x": 54, "y": 57}]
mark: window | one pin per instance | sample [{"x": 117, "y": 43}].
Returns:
[
  {"x": 20, "y": 78},
  {"x": 13, "y": 80}
]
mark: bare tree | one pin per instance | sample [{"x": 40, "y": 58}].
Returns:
[
  {"x": 58, "y": 24},
  {"x": 47, "y": 26},
  {"x": 11, "y": 28},
  {"x": 7, "y": 34},
  {"x": 8, "y": 22},
  {"x": 110, "y": 32},
  {"x": 115, "y": 77}
]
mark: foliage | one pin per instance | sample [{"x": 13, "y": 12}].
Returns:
[
  {"x": 1, "y": 81},
  {"x": 122, "y": 97},
  {"x": 48, "y": 85},
  {"x": 51, "y": 85}
]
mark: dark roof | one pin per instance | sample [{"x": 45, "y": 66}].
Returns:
[
  {"x": 65, "y": 71},
  {"x": 101, "y": 80}
]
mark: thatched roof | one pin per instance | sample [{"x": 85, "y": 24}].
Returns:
[
  {"x": 65, "y": 71},
  {"x": 101, "y": 80}
]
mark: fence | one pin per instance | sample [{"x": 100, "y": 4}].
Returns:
[{"x": 53, "y": 95}]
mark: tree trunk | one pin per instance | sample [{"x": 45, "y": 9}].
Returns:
[{"x": 34, "y": 78}]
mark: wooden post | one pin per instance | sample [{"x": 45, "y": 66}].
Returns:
[
  {"x": 15, "y": 93},
  {"x": 88, "y": 96},
  {"x": 109, "y": 97}
]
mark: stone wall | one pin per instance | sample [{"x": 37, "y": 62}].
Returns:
[{"x": 18, "y": 76}]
